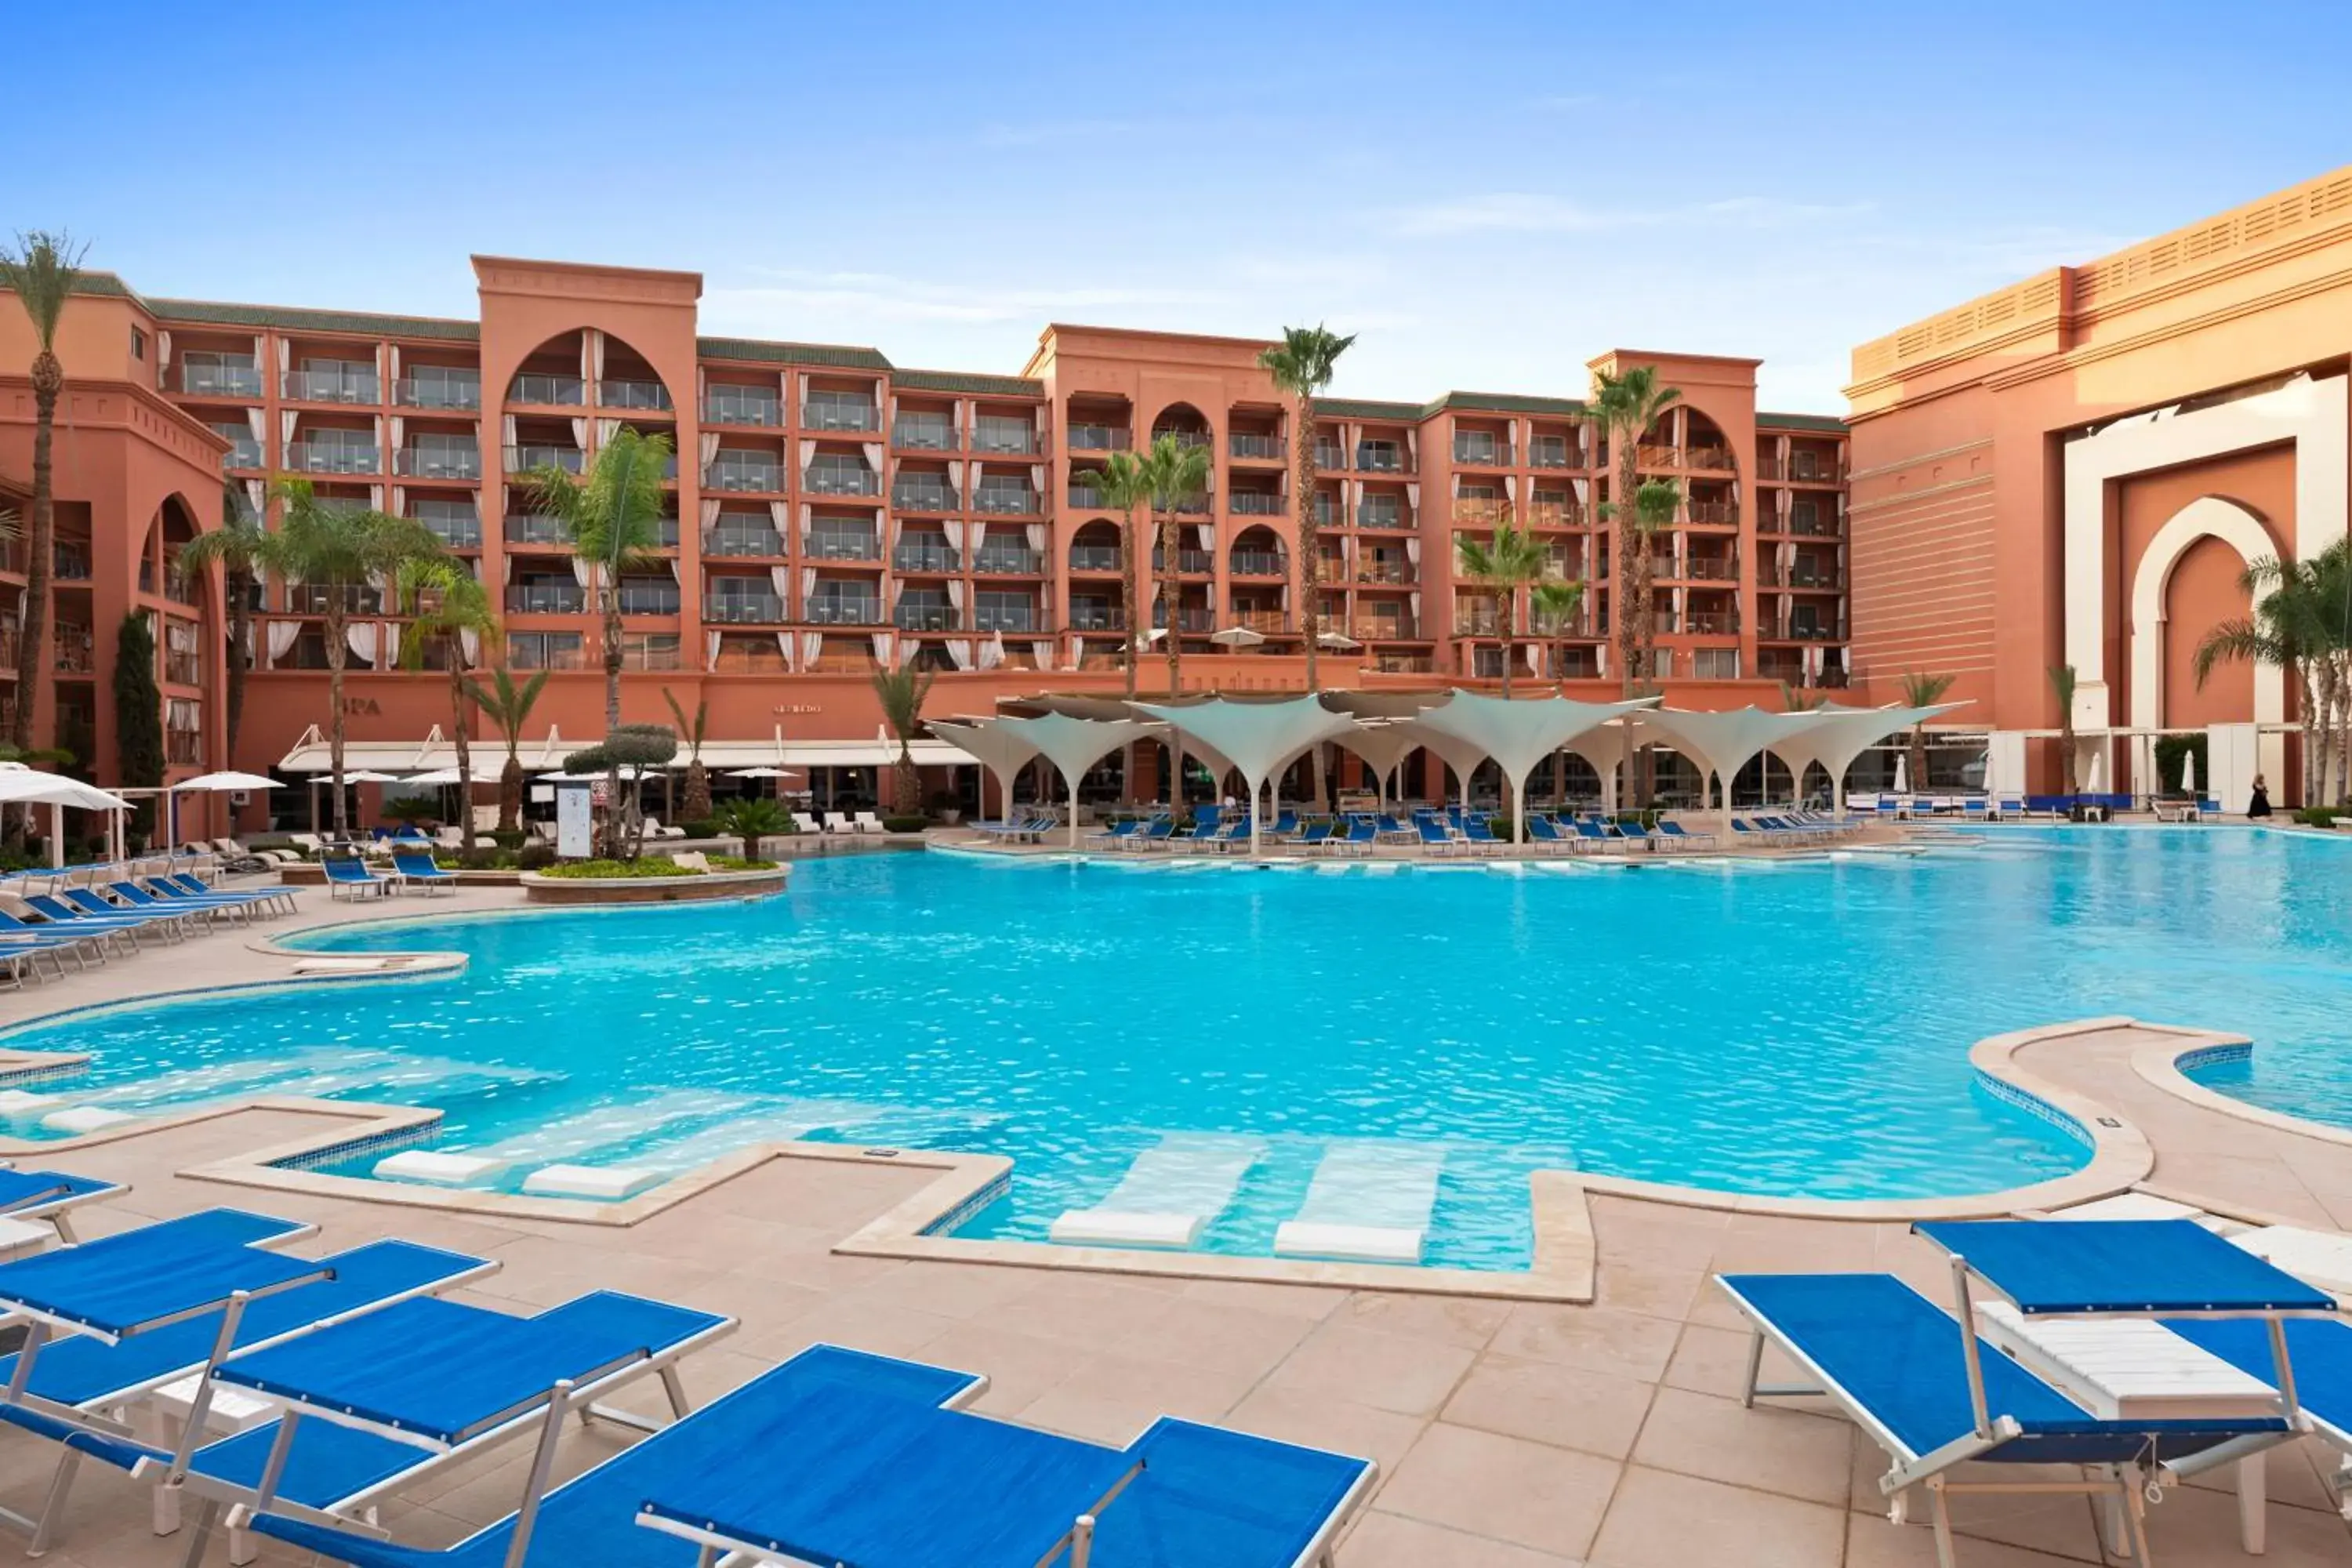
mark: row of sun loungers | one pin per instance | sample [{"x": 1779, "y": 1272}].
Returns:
[
  {"x": 2137, "y": 1352},
  {"x": 351, "y": 1378},
  {"x": 88, "y": 923},
  {"x": 1446, "y": 834}
]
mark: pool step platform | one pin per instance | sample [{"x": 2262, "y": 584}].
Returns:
[
  {"x": 1171, "y": 1193},
  {"x": 1367, "y": 1203}
]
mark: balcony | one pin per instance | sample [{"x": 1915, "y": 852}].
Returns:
[
  {"x": 1477, "y": 621},
  {"x": 333, "y": 457},
  {"x": 1384, "y": 573},
  {"x": 457, "y": 530},
  {"x": 995, "y": 499},
  {"x": 1379, "y": 458},
  {"x": 1255, "y": 503},
  {"x": 1329, "y": 514},
  {"x": 915, "y": 617},
  {"x": 650, "y": 396},
  {"x": 520, "y": 460},
  {"x": 1713, "y": 459},
  {"x": 1101, "y": 437},
  {"x": 841, "y": 480},
  {"x": 988, "y": 618},
  {"x": 1011, "y": 437},
  {"x": 1712, "y": 513},
  {"x": 1558, "y": 514},
  {"x": 843, "y": 545},
  {"x": 1008, "y": 561},
  {"x": 743, "y": 609},
  {"x": 1810, "y": 577},
  {"x": 928, "y": 558},
  {"x": 1329, "y": 455},
  {"x": 335, "y": 384},
  {"x": 842, "y": 415},
  {"x": 451, "y": 462},
  {"x": 1703, "y": 623},
  {"x": 459, "y": 393},
  {"x": 1656, "y": 455},
  {"x": 548, "y": 391},
  {"x": 1189, "y": 617},
  {"x": 1186, "y": 439},
  {"x": 741, "y": 406},
  {"x": 1487, "y": 454},
  {"x": 916, "y": 495},
  {"x": 738, "y": 472},
  {"x": 244, "y": 452},
  {"x": 1085, "y": 616},
  {"x": 1095, "y": 558},
  {"x": 842, "y": 610},
  {"x": 546, "y": 598},
  {"x": 200, "y": 379},
  {"x": 1710, "y": 569},
  {"x": 746, "y": 538},
  {"x": 1260, "y": 447},
  {"x": 1085, "y": 495},
  {"x": 69, "y": 562},
  {"x": 924, "y": 433},
  {"x": 649, "y": 598},
  {"x": 1188, "y": 563},
  {"x": 182, "y": 668},
  {"x": 1264, "y": 622},
  {"x": 537, "y": 528},
  {"x": 1811, "y": 525},
  {"x": 1382, "y": 628},
  {"x": 1813, "y": 631},
  {"x": 73, "y": 655},
  {"x": 1478, "y": 512},
  {"x": 1381, "y": 512},
  {"x": 1257, "y": 563},
  {"x": 1549, "y": 453}
]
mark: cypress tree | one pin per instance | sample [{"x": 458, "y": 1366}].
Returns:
[{"x": 138, "y": 715}]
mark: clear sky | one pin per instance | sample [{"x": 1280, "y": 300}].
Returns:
[{"x": 1490, "y": 194}]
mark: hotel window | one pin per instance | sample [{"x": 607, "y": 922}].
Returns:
[
  {"x": 183, "y": 739},
  {"x": 1714, "y": 663},
  {"x": 184, "y": 663},
  {"x": 838, "y": 411},
  {"x": 137, "y": 343},
  {"x": 649, "y": 650},
  {"x": 1661, "y": 664},
  {"x": 544, "y": 650}
]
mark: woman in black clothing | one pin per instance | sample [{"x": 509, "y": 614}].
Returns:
[{"x": 2261, "y": 805}]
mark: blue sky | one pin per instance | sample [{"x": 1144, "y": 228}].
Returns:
[{"x": 1489, "y": 196}]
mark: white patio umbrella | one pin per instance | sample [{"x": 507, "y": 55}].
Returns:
[
  {"x": 1339, "y": 640},
  {"x": 21, "y": 786},
  {"x": 228, "y": 781},
  {"x": 1237, "y": 637},
  {"x": 361, "y": 775}
]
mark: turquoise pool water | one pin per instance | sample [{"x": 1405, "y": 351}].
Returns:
[{"x": 1799, "y": 1030}]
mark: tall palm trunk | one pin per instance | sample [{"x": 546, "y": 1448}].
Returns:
[
  {"x": 1130, "y": 602},
  {"x": 239, "y": 588},
  {"x": 510, "y": 790},
  {"x": 32, "y": 662},
  {"x": 464, "y": 751},
  {"x": 620, "y": 808},
  {"x": 1628, "y": 642},
  {"x": 1171, "y": 596},
  {"x": 1310, "y": 543},
  {"x": 2307, "y": 717},
  {"x": 2324, "y": 685},
  {"x": 1507, "y": 622},
  {"x": 335, "y": 652}
]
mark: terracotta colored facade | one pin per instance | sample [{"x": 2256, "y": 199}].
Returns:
[
  {"x": 834, "y": 512},
  {"x": 2075, "y": 470}
]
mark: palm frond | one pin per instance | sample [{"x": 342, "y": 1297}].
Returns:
[{"x": 41, "y": 270}]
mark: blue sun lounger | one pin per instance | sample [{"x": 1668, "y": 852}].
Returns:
[
  {"x": 348, "y": 878},
  {"x": 1675, "y": 832},
  {"x": 73, "y": 915},
  {"x": 159, "y": 904},
  {"x": 52, "y": 1196},
  {"x": 421, "y": 870},
  {"x": 277, "y": 896}
]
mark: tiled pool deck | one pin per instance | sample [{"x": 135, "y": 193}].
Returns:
[{"x": 1510, "y": 1434}]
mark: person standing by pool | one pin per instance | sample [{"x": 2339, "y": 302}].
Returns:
[{"x": 2261, "y": 805}]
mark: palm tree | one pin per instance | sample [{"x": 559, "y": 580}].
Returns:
[
  {"x": 902, "y": 693},
  {"x": 340, "y": 551},
  {"x": 611, "y": 520},
  {"x": 2062, "y": 684},
  {"x": 41, "y": 271},
  {"x": 1795, "y": 701},
  {"x": 1511, "y": 559},
  {"x": 447, "y": 602},
  {"x": 240, "y": 570},
  {"x": 1302, "y": 366},
  {"x": 1923, "y": 691},
  {"x": 510, "y": 707},
  {"x": 752, "y": 818},
  {"x": 2302, "y": 621},
  {"x": 1625, "y": 406},
  {"x": 695, "y": 806},
  {"x": 1177, "y": 473},
  {"x": 1126, "y": 484}
]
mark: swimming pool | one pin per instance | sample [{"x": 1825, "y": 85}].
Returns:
[{"x": 1798, "y": 1029}]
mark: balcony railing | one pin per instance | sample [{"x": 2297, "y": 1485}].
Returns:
[
  {"x": 740, "y": 474},
  {"x": 523, "y": 459},
  {"x": 1826, "y": 579},
  {"x": 1478, "y": 512},
  {"x": 1013, "y": 436},
  {"x": 439, "y": 462},
  {"x": 741, "y": 609},
  {"x": 842, "y": 610},
  {"x": 911, "y": 617},
  {"x": 843, "y": 481},
  {"x": 1085, "y": 495},
  {"x": 840, "y": 417},
  {"x": 1329, "y": 455},
  {"x": 1483, "y": 454},
  {"x": 1381, "y": 629},
  {"x": 220, "y": 380},
  {"x": 244, "y": 452},
  {"x": 1714, "y": 513},
  {"x": 1549, "y": 454},
  {"x": 909, "y": 495},
  {"x": 1101, "y": 437},
  {"x": 1255, "y": 503},
  {"x": 183, "y": 669},
  {"x": 69, "y": 562},
  {"x": 1095, "y": 558},
  {"x": 1246, "y": 446},
  {"x": 331, "y": 386},
  {"x": 1711, "y": 459},
  {"x": 459, "y": 531},
  {"x": 1189, "y": 617},
  {"x": 1813, "y": 631},
  {"x": 641, "y": 394},
  {"x": 844, "y": 546},
  {"x": 1381, "y": 512},
  {"x": 546, "y": 598},
  {"x": 550, "y": 391},
  {"x": 1385, "y": 574},
  {"x": 535, "y": 527},
  {"x": 1188, "y": 563},
  {"x": 649, "y": 598},
  {"x": 332, "y": 457},
  {"x": 925, "y": 558},
  {"x": 1002, "y": 500},
  {"x": 1092, "y": 618},
  {"x": 1008, "y": 560},
  {"x": 743, "y": 539},
  {"x": 1183, "y": 437},
  {"x": 1379, "y": 458},
  {"x": 1477, "y": 621},
  {"x": 438, "y": 392},
  {"x": 1707, "y": 569},
  {"x": 1267, "y": 622},
  {"x": 1703, "y": 622},
  {"x": 1811, "y": 525},
  {"x": 740, "y": 405},
  {"x": 73, "y": 655},
  {"x": 1657, "y": 455},
  {"x": 1004, "y": 618},
  {"x": 922, "y": 435},
  {"x": 1257, "y": 563}
]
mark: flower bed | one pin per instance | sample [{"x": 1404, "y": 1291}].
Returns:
[{"x": 652, "y": 880}]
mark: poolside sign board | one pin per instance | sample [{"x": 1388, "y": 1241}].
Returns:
[{"x": 571, "y": 820}]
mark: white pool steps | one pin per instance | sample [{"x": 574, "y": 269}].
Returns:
[
  {"x": 560, "y": 1145},
  {"x": 1168, "y": 1196},
  {"x": 1367, "y": 1203}
]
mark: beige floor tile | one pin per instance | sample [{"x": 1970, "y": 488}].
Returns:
[
  {"x": 1364, "y": 1366},
  {"x": 1871, "y": 1543},
  {"x": 1599, "y": 1338},
  {"x": 1567, "y": 1406},
  {"x": 1781, "y": 1451},
  {"x": 1226, "y": 1337},
  {"x": 1460, "y": 1321},
  {"x": 1336, "y": 1425},
  {"x": 1530, "y": 1494},
  {"x": 1663, "y": 1521},
  {"x": 1391, "y": 1541}
]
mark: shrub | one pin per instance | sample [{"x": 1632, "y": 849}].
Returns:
[
  {"x": 736, "y": 863},
  {"x": 905, "y": 823},
  {"x": 645, "y": 866},
  {"x": 2319, "y": 815},
  {"x": 535, "y": 857},
  {"x": 510, "y": 839},
  {"x": 702, "y": 827}
]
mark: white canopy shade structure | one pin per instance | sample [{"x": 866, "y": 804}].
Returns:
[
  {"x": 445, "y": 776},
  {"x": 1072, "y": 745},
  {"x": 1255, "y": 738},
  {"x": 1385, "y": 747},
  {"x": 1004, "y": 752},
  {"x": 1838, "y": 734},
  {"x": 758, "y": 773},
  {"x": 228, "y": 781},
  {"x": 1518, "y": 735},
  {"x": 1722, "y": 743},
  {"x": 364, "y": 775},
  {"x": 1463, "y": 756}
]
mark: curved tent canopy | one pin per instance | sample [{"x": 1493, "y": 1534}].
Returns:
[
  {"x": 1073, "y": 746},
  {"x": 1839, "y": 734},
  {"x": 1383, "y": 746},
  {"x": 1004, "y": 752},
  {"x": 1722, "y": 742},
  {"x": 1518, "y": 735},
  {"x": 1257, "y": 737}
]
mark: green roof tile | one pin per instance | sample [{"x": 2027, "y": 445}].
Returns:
[
  {"x": 832, "y": 354},
  {"x": 1365, "y": 408},
  {"x": 1507, "y": 402},
  {"x": 1828, "y": 423},
  {"x": 364, "y": 323},
  {"x": 957, "y": 381}
]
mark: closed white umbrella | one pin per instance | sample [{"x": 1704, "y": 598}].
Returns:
[
  {"x": 2188, "y": 774},
  {"x": 447, "y": 776},
  {"x": 1902, "y": 775}
]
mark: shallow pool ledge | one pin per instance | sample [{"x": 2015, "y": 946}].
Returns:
[{"x": 2163, "y": 1062}]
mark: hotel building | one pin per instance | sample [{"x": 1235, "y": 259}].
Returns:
[{"x": 834, "y": 513}]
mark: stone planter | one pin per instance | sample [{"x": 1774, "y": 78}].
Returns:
[{"x": 708, "y": 886}]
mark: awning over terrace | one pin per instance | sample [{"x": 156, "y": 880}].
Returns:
[
  {"x": 1004, "y": 752},
  {"x": 1072, "y": 745},
  {"x": 1518, "y": 735},
  {"x": 548, "y": 751},
  {"x": 1258, "y": 737},
  {"x": 1722, "y": 743},
  {"x": 1839, "y": 734}
]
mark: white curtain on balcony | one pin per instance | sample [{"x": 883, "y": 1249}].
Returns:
[
  {"x": 789, "y": 646},
  {"x": 506, "y": 428},
  {"x": 710, "y": 513},
  {"x": 580, "y": 433},
  {"x": 582, "y": 571},
  {"x": 808, "y": 522},
  {"x": 1041, "y": 653},
  {"x": 973, "y": 540},
  {"x": 812, "y": 649},
  {"x": 960, "y": 650},
  {"x": 1583, "y": 488},
  {"x": 808, "y": 453},
  {"x": 1038, "y": 477},
  {"x": 399, "y": 431},
  {"x": 375, "y": 498},
  {"x": 1412, "y": 550},
  {"x": 882, "y": 641},
  {"x": 286, "y": 419},
  {"x": 1456, "y": 481},
  {"x": 1413, "y": 449},
  {"x": 954, "y": 531},
  {"x": 606, "y": 429},
  {"x": 1535, "y": 659},
  {"x": 469, "y": 646},
  {"x": 1036, "y": 534},
  {"x": 781, "y": 578},
  {"x": 1511, "y": 488},
  {"x": 391, "y": 644},
  {"x": 955, "y": 594},
  {"x": 1206, "y": 534},
  {"x": 283, "y": 635},
  {"x": 955, "y": 416},
  {"x": 955, "y": 479},
  {"x": 992, "y": 652},
  {"x": 709, "y": 447},
  {"x": 710, "y": 649},
  {"x": 1414, "y": 599},
  {"x": 676, "y": 571},
  {"x": 897, "y": 592},
  {"x": 285, "y": 355},
  {"x": 509, "y": 560},
  {"x": 257, "y": 494},
  {"x": 1412, "y": 495},
  {"x": 872, "y": 451},
  {"x": 360, "y": 638}
]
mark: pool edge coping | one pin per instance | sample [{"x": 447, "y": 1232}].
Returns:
[{"x": 2163, "y": 1064}]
